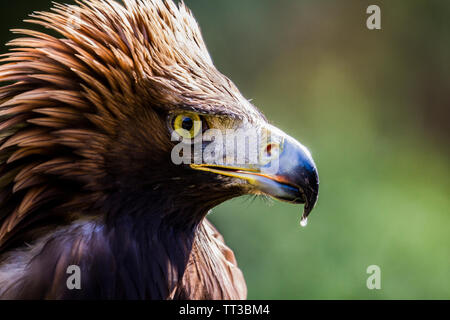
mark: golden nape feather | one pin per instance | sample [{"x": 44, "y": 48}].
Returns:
[{"x": 86, "y": 174}]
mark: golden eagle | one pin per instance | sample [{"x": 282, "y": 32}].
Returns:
[{"x": 88, "y": 116}]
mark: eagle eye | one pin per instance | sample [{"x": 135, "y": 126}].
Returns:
[{"x": 187, "y": 125}]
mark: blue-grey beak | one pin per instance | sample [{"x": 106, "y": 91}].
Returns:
[{"x": 289, "y": 175}]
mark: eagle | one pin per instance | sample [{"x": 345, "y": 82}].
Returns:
[{"x": 100, "y": 107}]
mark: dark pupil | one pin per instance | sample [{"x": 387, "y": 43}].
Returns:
[{"x": 187, "y": 124}]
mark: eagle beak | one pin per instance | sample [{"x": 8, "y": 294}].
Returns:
[
  {"x": 296, "y": 180},
  {"x": 291, "y": 174}
]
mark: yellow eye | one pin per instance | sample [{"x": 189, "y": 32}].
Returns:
[{"x": 187, "y": 125}]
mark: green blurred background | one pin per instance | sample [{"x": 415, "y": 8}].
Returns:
[{"x": 374, "y": 109}]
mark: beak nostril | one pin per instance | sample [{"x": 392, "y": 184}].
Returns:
[{"x": 271, "y": 149}]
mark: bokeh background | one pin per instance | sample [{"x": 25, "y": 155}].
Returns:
[{"x": 374, "y": 109}]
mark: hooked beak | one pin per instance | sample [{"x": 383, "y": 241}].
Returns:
[{"x": 291, "y": 175}]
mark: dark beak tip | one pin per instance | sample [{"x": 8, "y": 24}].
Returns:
[
  {"x": 312, "y": 194},
  {"x": 309, "y": 206}
]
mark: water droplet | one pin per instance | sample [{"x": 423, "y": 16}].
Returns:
[{"x": 304, "y": 222}]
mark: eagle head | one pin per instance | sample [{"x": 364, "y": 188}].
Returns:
[{"x": 124, "y": 116}]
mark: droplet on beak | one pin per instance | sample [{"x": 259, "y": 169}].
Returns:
[{"x": 304, "y": 222}]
